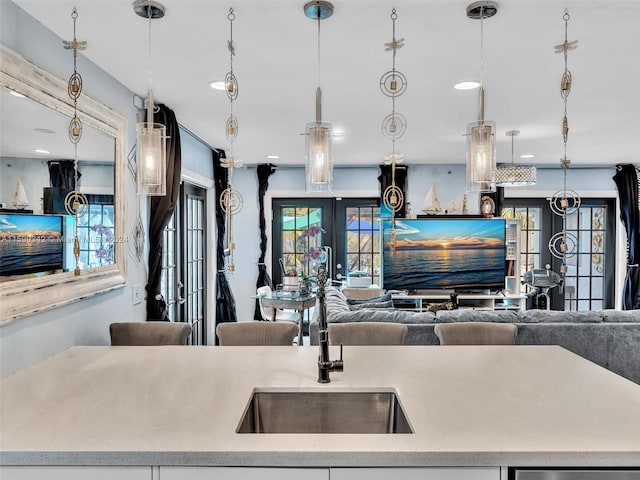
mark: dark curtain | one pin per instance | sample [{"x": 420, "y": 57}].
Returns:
[
  {"x": 62, "y": 173},
  {"x": 161, "y": 209},
  {"x": 225, "y": 303},
  {"x": 401, "y": 183},
  {"x": 264, "y": 172},
  {"x": 626, "y": 179}
]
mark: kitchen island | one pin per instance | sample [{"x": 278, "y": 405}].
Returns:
[{"x": 480, "y": 406}]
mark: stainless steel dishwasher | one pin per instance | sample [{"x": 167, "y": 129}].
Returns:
[{"x": 574, "y": 474}]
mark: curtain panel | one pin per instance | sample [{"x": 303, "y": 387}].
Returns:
[
  {"x": 626, "y": 178},
  {"x": 264, "y": 171},
  {"x": 401, "y": 182},
  {"x": 160, "y": 212}
]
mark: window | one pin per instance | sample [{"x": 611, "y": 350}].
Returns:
[
  {"x": 96, "y": 232},
  {"x": 363, "y": 241}
]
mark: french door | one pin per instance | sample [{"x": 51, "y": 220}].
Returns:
[
  {"x": 347, "y": 228},
  {"x": 184, "y": 262},
  {"x": 589, "y": 281}
]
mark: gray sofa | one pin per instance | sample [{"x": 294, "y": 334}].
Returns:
[{"x": 609, "y": 338}]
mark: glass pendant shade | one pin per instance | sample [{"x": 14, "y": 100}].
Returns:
[
  {"x": 319, "y": 159},
  {"x": 481, "y": 156},
  {"x": 152, "y": 161},
  {"x": 515, "y": 175}
]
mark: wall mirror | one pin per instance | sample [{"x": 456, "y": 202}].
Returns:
[{"x": 39, "y": 120}]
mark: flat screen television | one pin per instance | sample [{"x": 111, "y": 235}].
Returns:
[
  {"x": 30, "y": 244},
  {"x": 444, "y": 253}
]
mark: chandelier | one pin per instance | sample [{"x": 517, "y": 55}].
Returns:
[{"x": 515, "y": 175}]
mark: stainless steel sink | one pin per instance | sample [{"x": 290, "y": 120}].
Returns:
[{"x": 321, "y": 411}]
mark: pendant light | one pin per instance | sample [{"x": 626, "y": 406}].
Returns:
[
  {"x": 151, "y": 137},
  {"x": 481, "y": 135},
  {"x": 318, "y": 134},
  {"x": 515, "y": 175}
]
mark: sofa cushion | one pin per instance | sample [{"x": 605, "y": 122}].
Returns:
[
  {"x": 381, "y": 298},
  {"x": 621, "y": 316},
  {"x": 472, "y": 315},
  {"x": 554, "y": 316},
  {"x": 360, "y": 306},
  {"x": 380, "y": 315}
]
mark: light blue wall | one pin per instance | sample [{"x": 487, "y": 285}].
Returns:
[
  {"x": 33, "y": 338},
  {"x": 353, "y": 182}
]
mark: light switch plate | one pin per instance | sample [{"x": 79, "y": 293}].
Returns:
[{"x": 137, "y": 294}]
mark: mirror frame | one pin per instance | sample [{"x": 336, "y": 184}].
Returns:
[{"x": 22, "y": 297}]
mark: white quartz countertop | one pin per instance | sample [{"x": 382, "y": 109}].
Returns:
[{"x": 469, "y": 406}]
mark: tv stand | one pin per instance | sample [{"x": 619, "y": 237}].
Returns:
[{"x": 476, "y": 301}]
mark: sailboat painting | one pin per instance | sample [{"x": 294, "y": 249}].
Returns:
[
  {"x": 431, "y": 202},
  {"x": 20, "y": 200}
]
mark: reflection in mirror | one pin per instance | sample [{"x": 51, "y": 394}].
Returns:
[{"x": 36, "y": 173}]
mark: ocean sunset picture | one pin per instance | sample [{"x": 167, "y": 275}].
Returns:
[
  {"x": 444, "y": 254},
  {"x": 30, "y": 243}
]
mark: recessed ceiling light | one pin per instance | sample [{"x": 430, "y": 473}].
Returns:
[
  {"x": 42, "y": 151},
  {"x": 44, "y": 130},
  {"x": 528, "y": 155},
  {"x": 272, "y": 157},
  {"x": 470, "y": 85},
  {"x": 16, "y": 94},
  {"x": 217, "y": 84},
  {"x": 338, "y": 134}
]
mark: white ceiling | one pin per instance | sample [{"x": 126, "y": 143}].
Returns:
[{"x": 276, "y": 67}]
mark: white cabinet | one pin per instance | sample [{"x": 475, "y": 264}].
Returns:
[
  {"x": 476, "y": 301},
  {"x": 512, "y": 257},
  {"x": 75, "y": 473},
  {"x": 444, "y": 473},
  {"x": 242, "y": 473}
]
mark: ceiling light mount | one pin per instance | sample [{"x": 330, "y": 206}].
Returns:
[
  {"x": 318, "y": 9},
  {"x": 482, "y": 9},
  {"x": 148, "y": 9}
]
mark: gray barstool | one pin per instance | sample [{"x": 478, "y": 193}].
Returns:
[
  {"x": 149, "y": 333},
  {"x": 256, "y": 333},
  {"x": 476, "y": 333},
  {"x": 367, "y": 333}
]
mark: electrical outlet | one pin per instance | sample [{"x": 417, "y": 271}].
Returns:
[{"x": 137, "y": 294}]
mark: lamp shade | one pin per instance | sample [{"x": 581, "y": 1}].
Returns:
[
  {"x": 481, "y": 156},
  {"x": 152, "y": 159},
  {"x": 515, "y": 175},
  {"x": 319, "y": 157}
]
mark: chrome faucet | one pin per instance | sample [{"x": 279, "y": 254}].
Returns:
[{"x": 325, "y": 365}]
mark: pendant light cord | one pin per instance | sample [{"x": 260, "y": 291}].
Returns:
[{"x": 150, "y": 105}]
